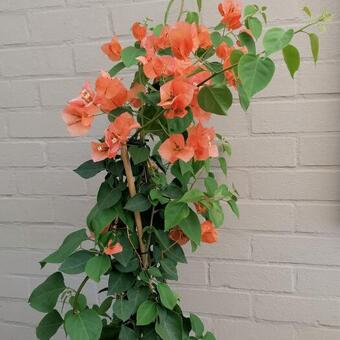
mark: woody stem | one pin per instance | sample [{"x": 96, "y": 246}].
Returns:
[
  {"x": 181, "y": 10},
  {"x": 132, "y": 191},
  {"x": 215, "y": 74},
  {"x": 166, "y": 15}
]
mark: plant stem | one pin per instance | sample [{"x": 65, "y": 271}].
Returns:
[
  {"x": 166, "y": 15},
  {"x": 132, "y": 190},
  {"x": 181, "y": 10},
  {"x": 215, "y": 74},
  {"x": 78, "y": 293}
]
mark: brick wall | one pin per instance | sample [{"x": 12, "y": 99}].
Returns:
[{"x": 276, "y": 272}]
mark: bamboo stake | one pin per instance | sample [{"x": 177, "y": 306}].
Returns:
[{"x": 132, "y": 190}]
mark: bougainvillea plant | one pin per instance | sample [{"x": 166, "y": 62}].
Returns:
[{"x": 157, "y": 145}]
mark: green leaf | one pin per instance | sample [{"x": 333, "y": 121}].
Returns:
[
  {"x": 176, "y": 253},
  {"x": 216, "y": 38},
  {"x": 215, "y": 98},
  {"x": 199, "y": 5},
  {"x": 243, "y": 97},
  {"x": 90, "y": 169},
  {"x": 167, "y": 296},
  {"x": 247, "y": 41},
  {"x": 315, "y": 46},
  {"x": 169, "y": 325},
  {"x": 107, "y": 196},
  {"x": 45, "y": 296},
  {"x": 191, "y": 227},
  {"x": 146, "y": 313},
  {"x": 69, "y": 245},
  {"x": 255, "y": 26},
  {"x": 127, "y": 333},
  {"x": 105, "y": 305},
  {"x": 209, "y": 336},
  {"x": 174, "y": 213},
  {"x": 97, "y": 266},
  {"x": 250, "y": 10},
  {"x": 276, "y": 39},
  {"x": 116, "y": 69},
  {"x": 123, "y": 309},
  {"x": 138, "y": 203},
  {"x": 193, "y": 195},
  {"x": 211, "y": 185},
  {"x": 83, "y": 326},
  {"x": 255, "y": 73},
  {"x": 291, "y": 56},
  {"x": 179, "y": 125},
  {"x": 196, "y": 325},
  {"x": 234, "y": 208},
  {"x": 120, "y": 282},
  {"x": 49, "y": 325},
  {"x": 139, "y": 154},
  {"x": 169, "y": 268},
  {"x": 216, "y": 214},
  {"x": 137, "y": 295},
  {"x": 98, "y": 218},
  {"x": 192, "y": 18},
  {"x": 308, "y": 11},
  {"x": 130, "y": 54},
  {"x": 79, "y": 304},
  {"x": 223, "y": 165},
  {"x": 75, "y": 264}
]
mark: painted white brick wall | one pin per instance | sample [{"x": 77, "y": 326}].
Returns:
[{"x": 275, "y": 274}]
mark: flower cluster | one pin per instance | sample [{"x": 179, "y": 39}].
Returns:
[{"x": 158, "y": 144}]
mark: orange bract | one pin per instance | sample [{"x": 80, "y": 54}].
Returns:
[
  {"x": 112, "y": 49},
  {"x": 138, "y": 31},
  {"x": 177, "y": 235},
  {"x": 110, "y": 92},
  {"x": 183, "y": 39},
  {"x": 209, "y": 232},
  {"x": 175, "y": 148},
  {"x": 112, "y": 249},
  {"x": 231, "y": 11}
]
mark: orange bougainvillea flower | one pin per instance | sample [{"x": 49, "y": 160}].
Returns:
[
  {"x": 198, "y": 113},
  {"x": 113, "y": 49},
  {"x": 231, "y": 11},
  {"x": 201, "y": 139},
  {"x": 204, "y": 37},
  {"x": 157, "y": 66},
  {"x": 117, "y": 133},
  {"x": 183, "y": 39},
  {"x": 110, "y": 92},
  {"x": 133, "y": 98},
  {"x": 176, "y": 95},
  {"x": 80, "y": 112},
  {"x": 175, "y": 148},
  {"x": 139, "y": 31},
  {"x": 223, "y": 51},
  {"x": 99, "y": 151},
  {"x": 229, "y": 74},
  {"x": 112, "y": 249},
  {"x": 177, "y": 235},
  {"x": 209, "y": 232}
]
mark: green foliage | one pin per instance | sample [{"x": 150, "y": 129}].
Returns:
[
  {"x": 175, "y": 195},
  {"x": 147, "y": 313},
  {"x": 97, "y": 266},
  {"x": 85, "y": 325},
  {"x": 75, "y": 263},
  {"x": 167, "y": 296},
  {"x": 45, "y": 296},
  {"x": 255, "y": 73},
  {"x": 291, "y": 56},
  {"x": 90, "y": 169},
  {"x": 70, "y": 244},
  {"x": 276, "y": 39},
  {"x": 315, "y": 46},
  {"x": 216, "y": 99},
  {"x": 49, "y": 325},
  {"x": 130, "y": 54}
]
